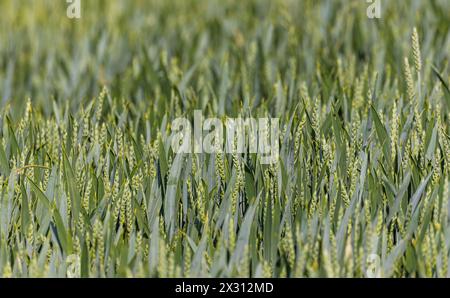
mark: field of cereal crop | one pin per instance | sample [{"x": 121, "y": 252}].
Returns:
[{"x": 91, "y": 184}]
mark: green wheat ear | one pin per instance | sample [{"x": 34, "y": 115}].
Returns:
[
  {"x": 408, "y": 79},
  {"x": 416, "y": 50}
]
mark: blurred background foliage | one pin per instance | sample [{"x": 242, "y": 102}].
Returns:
[{"x": 45, "y": 55}]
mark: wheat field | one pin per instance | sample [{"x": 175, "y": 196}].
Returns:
[{"x": 89, "y": 183}]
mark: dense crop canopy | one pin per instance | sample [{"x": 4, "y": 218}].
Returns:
[{"x": 90, "y": 185}]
